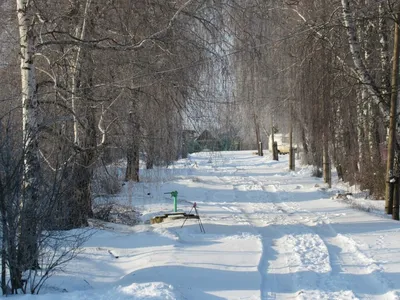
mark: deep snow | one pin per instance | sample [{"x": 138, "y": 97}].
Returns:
[{"x": 271, "y": 233}]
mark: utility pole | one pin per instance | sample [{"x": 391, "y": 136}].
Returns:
[{"x": 393, "y": 121}]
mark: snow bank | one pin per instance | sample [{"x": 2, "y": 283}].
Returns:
[{"x": 144, "y": 291}]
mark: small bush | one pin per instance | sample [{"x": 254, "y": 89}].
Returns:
[
  {"x": 113, "y": 212},
  {"x": 102, "y": 212}
]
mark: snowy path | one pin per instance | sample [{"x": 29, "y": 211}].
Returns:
[
  {"x": 302, "y": 255},
  {"x": 270, "y": 234}
]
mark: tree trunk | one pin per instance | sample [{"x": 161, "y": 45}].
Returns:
[
  {"x": 3, "y": 261},
  {"x": 305, "y": 159},
  {"x": 367, "y": 31},
  {"x": 85, "y": 134},
  {"x": 80, "y": 33},
  {"x": 361, "y": 139},
  {"x": 4, "y": 240},
  {"x": 80, "y": 208},
  {"x": 392, "y": 145},
  {"x": 133, "y": 150},
  {"x": 361, "y": 70},
  {"x": 81, "y": 202},
  {"x": 274, "y": 148},
  {"x": 84, "y": 129},
  {"x": 257, "y": 132},
  {"x": 291, "y": 152},
  {"x": 149, "y": 161},
  {"x": 28, "y": 249},
  {"x": 83, "y": 169},
  {"x": 150, "y": 147},
  {"x": 384, "y": 52},
  {"x": 326, "y": 165},
  {"x": 132, "y": 167},
  {"x": 395, "y": 210}
]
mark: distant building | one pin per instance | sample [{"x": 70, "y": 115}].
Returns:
[
  {"x": 192, "y": 142},
  {"x": 189, "y": 135},
  {"x": 207, "y": 141}
]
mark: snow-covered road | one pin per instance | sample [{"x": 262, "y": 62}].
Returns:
[
  {"x": 310, "y": 247},
  {"x": 270, "y": 234}
]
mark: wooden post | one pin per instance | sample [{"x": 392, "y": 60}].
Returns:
[{"x": 393, "y": 119}]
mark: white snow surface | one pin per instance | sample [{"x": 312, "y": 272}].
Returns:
[{"x": 270, "y": 233}]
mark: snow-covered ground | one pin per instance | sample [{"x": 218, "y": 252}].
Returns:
[{"x": 271, "y": 233}]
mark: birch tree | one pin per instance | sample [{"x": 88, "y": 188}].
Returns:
[
  {"x": 27, "y": 252},
  {"x": 389, "y": 113}
]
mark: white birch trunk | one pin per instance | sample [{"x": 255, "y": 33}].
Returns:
[
  {"x": 75, "y": 66},
  {"x": 30, "y": 126},
  {"x": 367, "y": 117},
  {"x": 384, "y": 52},
  {"x": 372, "y": 143},
  {"x": 360, "y": 68},
  {"x": 28, "y": 84},
  {"x": 360, "y": 130}
]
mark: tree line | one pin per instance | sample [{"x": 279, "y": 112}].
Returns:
[{"x": 331, "y": 69}]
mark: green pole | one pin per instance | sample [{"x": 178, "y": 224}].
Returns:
[{"x": 174, "y": 195}]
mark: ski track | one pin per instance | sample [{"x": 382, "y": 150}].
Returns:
[{"x": 305, "y": 244}]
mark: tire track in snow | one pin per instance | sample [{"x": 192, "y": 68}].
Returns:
[
  {"x": 301, "y": 244},
  {"x": 309, "y": 251},
  {"x": 271, "y": 244},
  {"x": 342, "y": 251},
  {"x": 351, "y": 267},
  {"x": 269, "y": 240},
  {"x": 289, "y": 249},
  {"x": 241, "y": 185}
]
